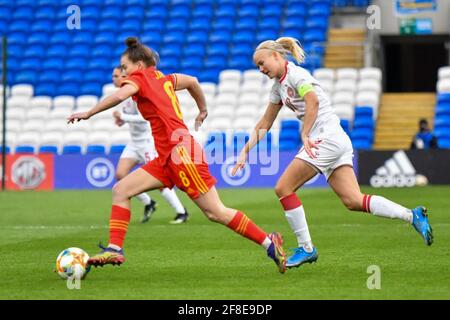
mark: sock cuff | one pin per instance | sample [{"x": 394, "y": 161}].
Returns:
[
  {"x": 234, "y": 223},
  {"x": 366, "y": 203},
  {"x": 120, "y": 213},
  {"x": 290, "y": 202}
]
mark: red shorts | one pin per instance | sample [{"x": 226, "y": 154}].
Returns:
[{"x": 185, "y": 169}]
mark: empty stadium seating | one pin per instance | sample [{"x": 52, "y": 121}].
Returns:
[{"x": 442, "y": 111}]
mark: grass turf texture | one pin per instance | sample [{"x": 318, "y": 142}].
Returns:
[{"x": 203, "y": 260}]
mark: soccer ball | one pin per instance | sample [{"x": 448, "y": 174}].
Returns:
[
  {"x": 72, "y": 262},
  {"x": 421, "y": 180}
]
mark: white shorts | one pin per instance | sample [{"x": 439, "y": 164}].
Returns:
[
  {"x": 334, "y": 149},
  {"x": 140, "y": 152}
]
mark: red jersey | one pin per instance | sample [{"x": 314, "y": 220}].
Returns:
[{"x": 158, "y": 104}]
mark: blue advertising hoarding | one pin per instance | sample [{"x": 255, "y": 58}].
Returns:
[{"x": 98, "y": 171}]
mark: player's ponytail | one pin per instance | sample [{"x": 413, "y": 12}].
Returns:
[
  {"x": 284, "y": 46},
  {"x": 136, "y": 51}
]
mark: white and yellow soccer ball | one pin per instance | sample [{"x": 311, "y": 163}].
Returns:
[{"x": 72, "y": 262}]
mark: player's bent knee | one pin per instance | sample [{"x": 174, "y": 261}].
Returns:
[
  {"x": 281, "y": 191},
  {"x": 352, "y": 204},
  {"x": 119, "y": 192}
]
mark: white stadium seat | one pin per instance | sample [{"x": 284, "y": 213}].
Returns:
[
  {"x": 103, "y": 125},
  {"x": 369, "y": 85},
  {"x": 222, "y": 111},
  {"x": 11, "y": 138},
  {"x": 444, "y": 73},
  {"x": 344, "y": 111},
  {"x": 28, "y": 138},
  {"x": 229, "y": 87},
  {"x": 443, "y": 86},
  {"x": 60, "y": 113},
  {"x": 208, "y": 88},
  {"x": 345, "y": 86},
  {"x": 120, "y": 137},
  {"x": 108, "y": 89},
  {"x": 252, "y": 87},
  {"x": 343, "y": 97},
  {"x": 368, "y": 98},
  {"x": 51, "y": 138},
  {"x": 327, "y": 86},
  {"x": 36, "y": 113},
  {"x": 244, "y": 123},
  {"x": 249, "y": 98},
  {"x": 347, "y": 74},
  {"x": 13, "y": 126},
  {"x": 230, "y": 75},
  {"x": 18, "y": 102},
  {"x": 99, "y": 137},
  {"x": 56, "y": 125},
  {"x": 226, "y": 99},
  {"x": 370, "y": 73},
  {"x": 324, "y": 74},
  {"x": 23, "y": 90},
  {"x": 77, "y": 138},
  {"x": 247, "y": 111},
  {"x": 8, "y": 91},
  {"x": 43, "y": 102},
  {"x": 15, "y": 114},
  {"x": 64, "y": 102},
  {"x": 33, "y": 125},
  {"x": 253, "y": 76},
  {"x": 86, "y": 102},
  {"x": 219, "y": 124}
]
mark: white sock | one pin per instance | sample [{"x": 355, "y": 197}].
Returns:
[
  {"x": 172, "y": 199},
  {"x": 295, "y": 215},
  {"x": 144, "y": 198},
  {"x": 383, "y": 207},
  {"x": 266, "y": 243}
]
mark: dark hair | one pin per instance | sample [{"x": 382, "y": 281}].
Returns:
[{"x": 136, "y": 51}]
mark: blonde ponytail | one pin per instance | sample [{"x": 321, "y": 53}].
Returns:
[{"x": 284, "y": 46}]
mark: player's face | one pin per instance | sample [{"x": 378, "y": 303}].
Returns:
[
  {"x": 268, "y": 63},
  {"x": 128, "y": 66},
  {"x": 117, "y": 77}
]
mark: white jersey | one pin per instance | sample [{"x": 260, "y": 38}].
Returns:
[
  {"x": 140, "y": 129},
  {"x": 286, "y": 90}
]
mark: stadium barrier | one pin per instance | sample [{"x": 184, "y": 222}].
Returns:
[
  {"x": 404, "y": 168},
  {"x": 53, "y": 172}
]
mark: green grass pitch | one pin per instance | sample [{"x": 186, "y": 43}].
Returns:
[{"x": 203, "y": 260}]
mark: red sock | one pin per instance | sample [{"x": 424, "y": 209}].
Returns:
[
  {"x": 118, "y": 225},
  {"x": 366, "y": 203},
  {"x": 247, "y": 228}
]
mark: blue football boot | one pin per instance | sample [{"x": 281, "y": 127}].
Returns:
[
  {"x": 300, "y": 257},
  {"x": 420, "y": 223}
]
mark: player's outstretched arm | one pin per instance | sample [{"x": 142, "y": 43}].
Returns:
[
  {"x": 123, "y": 93},
  {"x": 260, "y": 130},
  {"x": 195, "y": 90}
]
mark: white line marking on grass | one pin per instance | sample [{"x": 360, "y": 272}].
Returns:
[{"x": 41, "y": 227}]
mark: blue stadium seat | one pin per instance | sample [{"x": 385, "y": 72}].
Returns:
[
  {"x": 30, "y": 64},
  {"x": 91, "y": 88},
  {"x": 218, "y": 49},
  {"x": 202, "y": 11},
  {"x": 362, "y": 111},
  {"x": 15, "y": 50},
  {"x": 269, "y": 24},
  {"x": 101, "y": 51},
  {"x": 177, "y": 25},
  {"x": 199, "y": 24},
  {"x": 35, "y": 51},
  {"x": 191, "y": 62},
  {"x": 197, "y": 37},
  {"x": 48, "y": 149},
  {"x": 179, "y": 12},
  {"x": 361, "y": 144},
  {"x": 442, "y": 133},
  {"x": 443, "y": 109},
  {"x": 17, "y": 38},
  {"x": 70, "y": 89},
  {"x": 249, "y": 10},
  {"x": 153, "y": 38},
  {"x": 444, "y": 143},
  {"x": 153, "y": 25},
  {"x": 241, "y": 62},
  {"x": 75, "y": 63},
  {"x": 79, "y": 51},
  {"x": 363, "y": 122},
  {"x": 272, "y": 11},
  {"x": 116, "y": 148},
  {"x": 174, "y": 37},
  {"x": 29, "y": 77},
  {"x": 223, "y": 24},
  {"x": 362, "y": 133},
  {"x": 198, "y": 49},
  {"x": 111, "y": 12},
  {"x": 98, "y": 63},
  {"x": 71, "y": 149},
  {"x": 13, "y": 65},
  {"x": 45, "y": 12},
  {"x": 157, "y": 12},
  {"x": 320, "y": 9},
  {"x": 53, "y": 64},
  {"x": 25, "y": 13},
  {"x": 104, "y": 37},
  {"x": 90, "y": 12},
  {"x": 41, "y": 26},
  {"x": 209, "y": 75},
  {"x": 294, "y": 33},
  {"x": 266, "y": 35},
  {"x": 246, "y": 24},
  {"x": 134, "y": 12},
  {"x": 24, "y": 149},
  {"x": 56, "y": 51},
  {"x": 297, "y": 10},
  {"x": 215, "y": 62},
  {"x": 45, "y": 89},
  {"x": 443, "y": 98},
  {"x": 49, "y": 76},
  {"x": 220, "y": 36},
  {"x": 172, "y": 50},
  {"x": 244, "y": 37},
  {"x": 345, "y": 124},
  {"x": 340, "y": 3},
  {"x": 93, "y": 76},
  {"x": 361, "y": 3},
  {"x": 7, "y": 149},
  {"x": 61, "y": 37},
  {"x": 241, "y": 49},
  {"x": 226, "y": 10},
  {"x": 442, "y": 121},
  {"x": 95, "y": 149},
  {"x": 318, "y": 22},
  {"x": 82, "y": 38},
  {"x": 297, "y": 22},
  {"x": 19, "y": 26},
  {"x": 288, "y": 145},
  {"x": 314, "y": 35}
]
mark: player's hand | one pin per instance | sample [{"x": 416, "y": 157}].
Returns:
[
  {"x": 240, "y": 163},
  {"x": 309, "y": 146},
  {"x": 78, "y": 117},
  {"x": 200, "y": 118}
]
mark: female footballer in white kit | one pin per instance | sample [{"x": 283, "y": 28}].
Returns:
[
  {"x": 326, "y": 149},
  {"x": 141, "y": 149}
]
